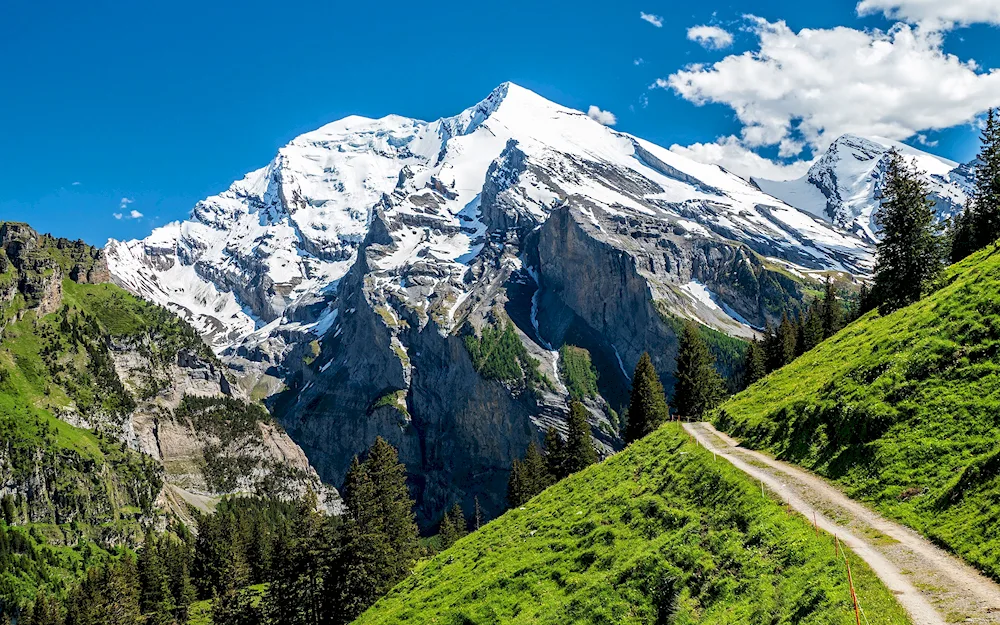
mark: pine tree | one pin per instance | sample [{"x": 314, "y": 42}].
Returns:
[
  {"x": 380, "y": 532},
  {"x": 517, "y": 489},
  {"x": 812, "y": 329},
  {"x": 477, "y": 518},
  {"x": 832, "y": 310},
  {"x": 909, "y": 255},
  {"x": 986, "y": 196},
  {"x": 647, "y": 407},
  {"x": 780, "y": 344},
  {"x": 755, "y": 364},
  {"x": 580, "y": 452},
  {"x": 699, "y": 386},
  {"x": 535, "y": 470},
  {"x": 152, "y": 576},
  {"x": 555, "y": 454},
  {"x": 962, "y": 236},
  {"x": 453, "y": 526}
]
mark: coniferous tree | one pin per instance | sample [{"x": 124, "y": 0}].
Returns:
[
  {"x": 298, "y": 592},
  {"x": 44, "y": 611},
  {"x": 380, "y": 535},
  {"x": 699, "y": 386},
  {"x": 555, "y": 454},
  {"x": 909, "y": 255},
  {"x": 755, "y": 364},
  {"x": 812, "y": 329},
  {"x": 962, "y": 237},
  {"x": 832, "y": 310},
  {"x": 580, "y": 452},
  {"x": 153, "y": 586},
  {"x": 477, "y": 515},
  {"x": 536, "y": 471},
  {"x": 647, "y": 407},
  {"x": 986, "y": 196},
  {"x": 781, "y": 343},
  {"x": 517, "y": 488},
  {"x": 453, "y": 526}
]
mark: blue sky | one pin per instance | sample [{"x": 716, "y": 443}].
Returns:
[{"x": 167, "y": 103}]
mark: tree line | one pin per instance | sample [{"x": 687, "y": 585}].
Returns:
[{"x": 259, "y": 561}]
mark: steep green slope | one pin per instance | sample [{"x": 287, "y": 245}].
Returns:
[
  {"x": 660, "y": 533},
  {"x": 902, "y": 410}
]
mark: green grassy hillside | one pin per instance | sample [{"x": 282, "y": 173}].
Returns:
[
  {"x": 661, "y": 533},
  {"x": 903, "y": 411}
]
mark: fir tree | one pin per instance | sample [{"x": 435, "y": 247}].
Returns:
[
  {"x": 555, "y": 454},
  {"x": 453, "y": 526},
  {"x": 755, "y": 364},
  {"x": 477, "y": 515},
  {"x": 517, "y": 489},
  {"x": 986, "y": 196},
  {"x": 580, "y": 452},
  {"x": 699, "y": 386},
  {"x": 380, "y": 532},
  {"x": 832, "y": 310},
  {"x": 536, "y": 471},
  {"x": 812, "y": 329},
  {"x": 962, "y": 237},
  {"x": 909, "y": 255},
  {"x": 647, "y": 407}
]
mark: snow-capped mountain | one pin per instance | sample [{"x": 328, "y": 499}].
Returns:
[
  {"x": 845, "y": 184},
  {"x": 359, "y": 264},
  {"x": 285, "y": 234}
]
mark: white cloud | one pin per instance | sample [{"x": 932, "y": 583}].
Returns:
[
  {"x": 638, "y": 61},
  {"x": 655, "y": 20},
  {"x": 710, "y": 37},
  {"x": 76, "y": 184},
  {"x": 730, "y": 153},
  {"x": 605, "y": 117},
  {"x": 131, "y": 214},
  {"x": 809, "y": 87},
  {"x": 935, "y": 14}
]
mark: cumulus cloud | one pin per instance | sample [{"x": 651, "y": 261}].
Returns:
[
  {"x": 655, "y": 20},
  {"x": 935, "y": 14},
  {"x": 76, "y": 184},
  {"x": 638, "y": 61},
  {"x": 117, "y": 215},
  {"x": 605, "y": 117},
  {"x": 134, "y": 214},
  {"x": 710, "y": 37},
  {"x": 809, "y": 87},
  {"x": 126, "y": 201},
  {"x": 730, "y": 153}
]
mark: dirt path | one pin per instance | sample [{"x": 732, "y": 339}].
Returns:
[{"x": 933, "y": 586}]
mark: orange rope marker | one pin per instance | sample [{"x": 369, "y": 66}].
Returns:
[{"x": 854, "y": 595}]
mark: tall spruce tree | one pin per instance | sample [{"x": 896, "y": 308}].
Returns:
[
  {"x": 379, "y": 545},
  {"x": 477, "y": 515},
  {"x": 555, "y": 454},
  {"x": 453, "y": 526},
  {"x": 699, "y": 386},
  {"x": 647, "y": 407},
  {"x": 909, "y": 256},
  {"x": 518, "y": 492},
  {"x": 754, "y": 364},
  {"x": 580, "y": 452},
  {"x": 832, "y": 309},
  {"x": 986, "y": 196}
]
